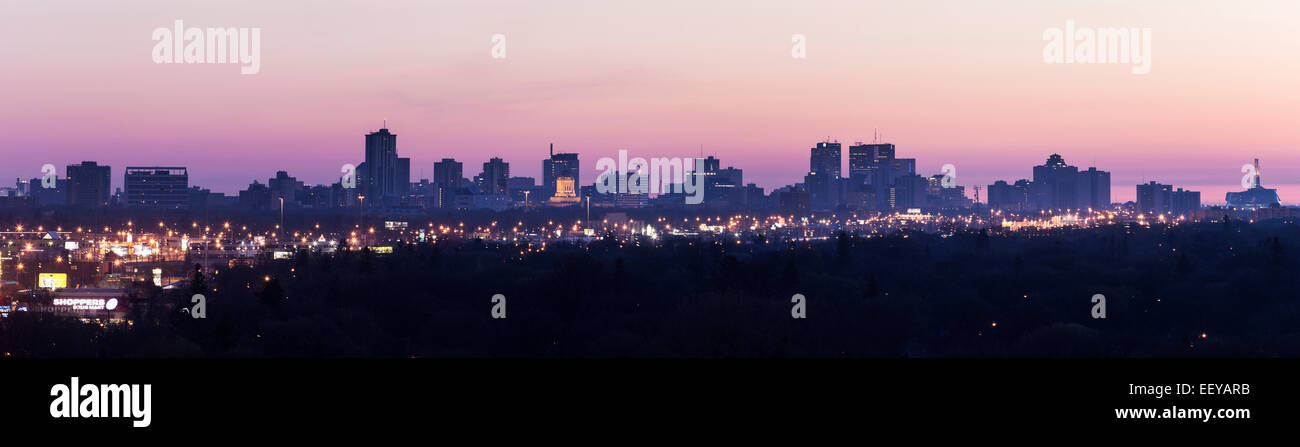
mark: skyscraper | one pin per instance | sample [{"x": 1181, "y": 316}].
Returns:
[
  {"x": 89, "y": 185},
  {"x": 825, "y": 159},
  {"x": 383, "y": 174},
  {"x": 823, "y": 176},
  {"x": 557, "y": 166},
  {"x": 864, "y": 159}
]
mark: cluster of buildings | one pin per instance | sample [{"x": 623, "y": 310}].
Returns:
[
  {"x": 1056, "y": 186},
  {"x": 877, "y": 180}
]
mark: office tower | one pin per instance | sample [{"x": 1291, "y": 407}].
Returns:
[
  {"x": 705, "y": 177},
  {"x": 825, "y": 159},
  {"x": 866, "y": 159},
  {"x": 1056, "y": 184},
  {"x": 557, "y": 166},
  {"x": 862, "y": 159},
  {"x": 495, "y": 178},
  {"x": 1154, "y": 198},
  {"x": 89, "y": 185},
  {"x": 1094, "y": 189},
  {"x": 908, "y": 191},
  {"x": 724, "y": 188},
  {"x": 157, "y": 187},
  {"x": 823, "y": 176},
  {"x": 383, "y": 174}
]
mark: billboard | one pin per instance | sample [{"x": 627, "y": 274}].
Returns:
[
  {"x": 52, "y": 280},
  {"x": 108, "y": 303},
  {"x": 383, "y": 250}
]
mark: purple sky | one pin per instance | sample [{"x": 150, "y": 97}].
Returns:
[{"x": 959, "y": 82}]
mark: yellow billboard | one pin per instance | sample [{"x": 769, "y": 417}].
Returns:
[{"x": 52, "y": 280}]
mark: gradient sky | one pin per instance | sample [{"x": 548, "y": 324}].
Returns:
[{"x": 959, "y": 82}]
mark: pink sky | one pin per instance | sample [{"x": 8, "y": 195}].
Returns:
[{"x": 959, "y": 82}]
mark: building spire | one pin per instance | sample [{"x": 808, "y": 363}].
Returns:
[{"x": 1258, "y": 175}]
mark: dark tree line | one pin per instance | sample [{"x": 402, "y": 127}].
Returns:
[{"x": 1208, "y": 289}]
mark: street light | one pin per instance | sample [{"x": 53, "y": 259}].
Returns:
[
  {"x": 281, "y": 214},
  {"x": 361, "y": 212}
]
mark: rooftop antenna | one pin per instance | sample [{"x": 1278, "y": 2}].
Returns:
[
  {"x": 875, "y": 136},
  {"x": 552, "y": 149}
]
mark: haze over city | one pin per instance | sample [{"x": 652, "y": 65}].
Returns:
[{"x": 947, "y": 81}]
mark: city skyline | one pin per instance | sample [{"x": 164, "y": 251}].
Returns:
[
  {"x": 416, "y": 171},
  {"x": 597, "y": 86}
]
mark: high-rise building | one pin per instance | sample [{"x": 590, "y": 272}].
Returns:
[
  {"x": 865, "y": 160},
  {"x": 383, "y": 174},
  {"x": 403, "y": 181},
  {"x": 89, "y": 184},
  {"x": 825, "y": 159},
  {"x": 1183, "y": 201},
  {"x": 909, "y": 192},
  {"x": 1154, "y": 198},
  {"x": 1056, "y": 184},
  {"x": 286, "y": 187},
  {"x": 823, "y": 176},
  {"x": 557, "y": 166},
  {"x": 1094, "y": 189},
  {"x": 448, "y": 173},
  {"x": 495, "y": 178},
  {"x": 157, "y": 187},
  {"x": 725, "y": 188},
  {"x": 447, "y": 177}
]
